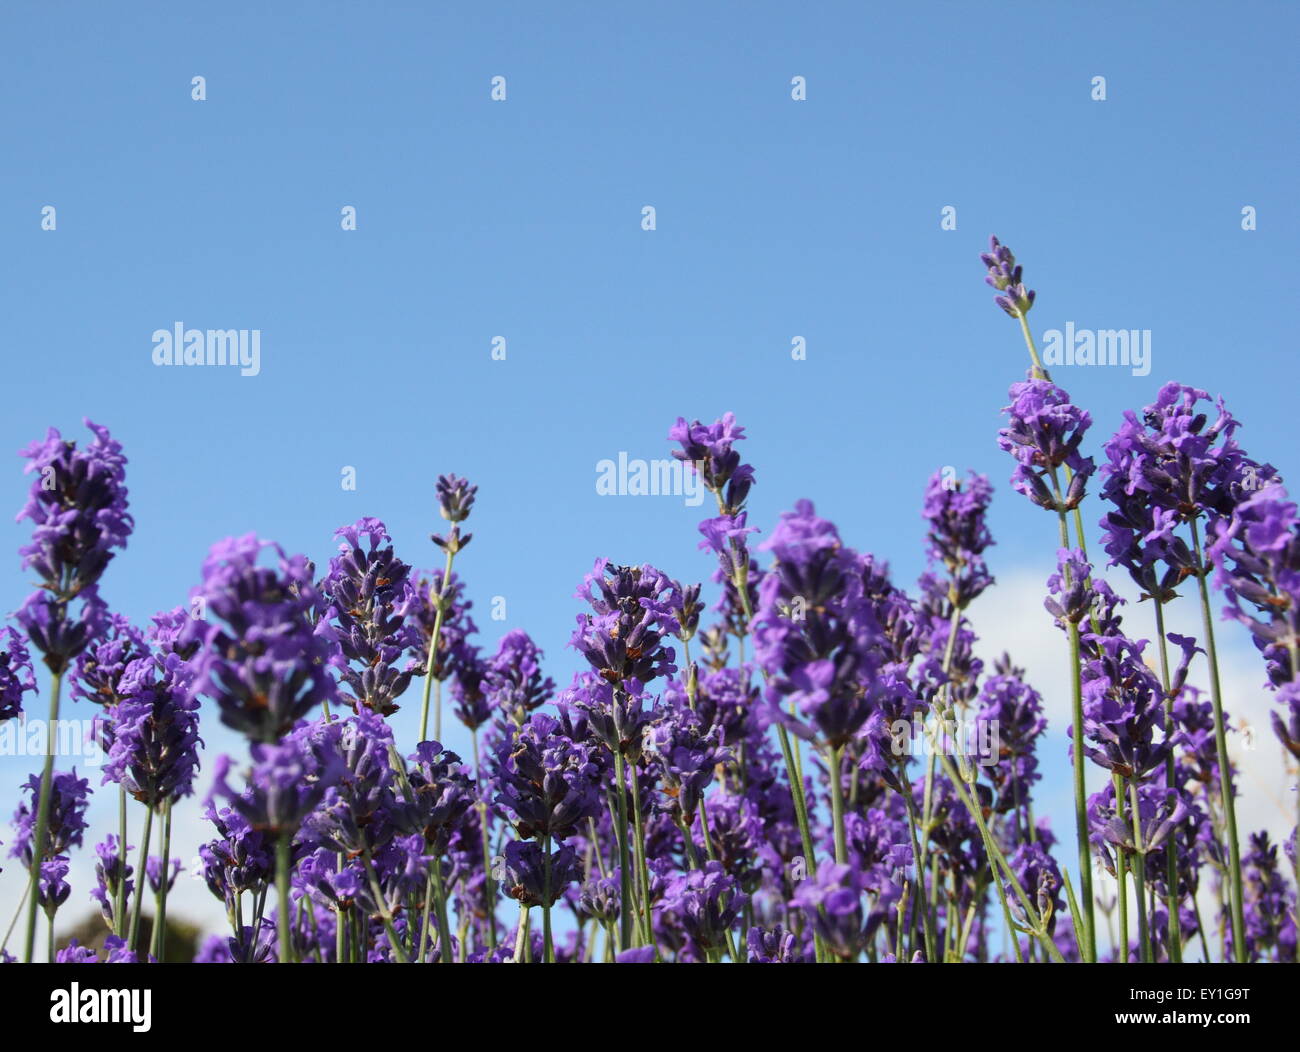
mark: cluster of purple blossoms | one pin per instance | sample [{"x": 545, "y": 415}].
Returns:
[
  {"x": 154, "y": 735},
  {"x": 1258, "y": 556},
  {"x": 366, "y": 593},
  {"x": 957, "y": 532},
  {"x": 815, "y": 632},
  {"x": 17, "y": 677},
  {"x": 1007, "y": 277},
  {"x": 514, "y": 683},
  {"x": 549, "y": 783},
  {"x": 1123, "y": 700},
  {"x": 69, "y": 799},
  {"x": 1270, "y": 904},
  {"x": 1011, "y": 705},
  {"x": 455, "y": 500},
  {"x": 1043, "y": 433},
  {"x": 78, "y": 507},
  {"x": 686, "y": 752},
  {"x": 624, "y": 639},
  {"x": 102, "y": 667},
  {"x": 454, "y": 652},
  {"x": 259, "y": 655}
]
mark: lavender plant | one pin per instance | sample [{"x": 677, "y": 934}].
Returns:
[{"x": 761, "y": 798}]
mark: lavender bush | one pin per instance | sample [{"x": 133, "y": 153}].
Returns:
[{"x": 740, "y": 789}]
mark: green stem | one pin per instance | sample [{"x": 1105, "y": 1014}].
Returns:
[
  {"x": 1221, "y": 745},
  {"x": 1139, "y": 875},
  {"x": 432, "y": 659},
  {"x": 548, "y": 950},
  {"x": 119, "y": 898},
  {"x": 1089, "y": 951},
  {"x": 837, "y": 806},
  {"x": 160, "y": 922},
  {"x": 283, "y": 847},
  {"x": 140, "y": 881},
  {"x": 488, "y": 896},
  {"x": 521, "y": 936},
  {"x": 627, "y": 905},
  {"x": 385, "y": 914},
  {"x": 643, "y": 867},
  {"x": 1171, "y": 857},
  {"x": 41, "y": 840}
]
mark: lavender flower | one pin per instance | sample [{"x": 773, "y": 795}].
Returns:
[
  {"x": 704, "y": 903},
  {"x": 832, "y": 903},
  {"x": 957, "y": 532},
  {"x": 78, "y": 505},
  {"x": 623, "y": 639},
  {"x": 286, "y": 780},
  {"x": 514, "y": 683},
  {"x": 16, "y": 674},
  {"x": 1016, "y": 710},
  {"x": 774, "y": 946},
  {"x": 260, "y": 659},
  {"x": 686, "y": 753},
  {"x": 367, "y": 592},
  {"x": 110, "y": 872},
  {"x": 548, "y": 782},
  {"x": 1270, "y": 903},
  {"x": 1007, "y": 276},
  {"x": 708, "y": 448},
  {"x": 155, "y": 736},
  {"x": 69, "y": 798},
  {"x": 455, "y": 499},
  {"x": 158, "y": 873},
  {"x": 101, "y": 669},
  {"x": 442, "y": 793},
  {"x": 525, "y": 873},
  {"x": 1043, "y": 434},
  {"x": 1258, "y": 554},
  {"x": 815, "y": 633}
]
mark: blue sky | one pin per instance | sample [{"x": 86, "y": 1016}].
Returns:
[{"x": 476, "y": 218}]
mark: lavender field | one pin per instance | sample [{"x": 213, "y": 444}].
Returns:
[{"x": 430, "y": 697}]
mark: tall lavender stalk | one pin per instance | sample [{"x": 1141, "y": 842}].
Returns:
[
  {"x": 78, "y": 507},
  {"x": 1043, "y": 433},
  {"x": 455, "y": 499}
]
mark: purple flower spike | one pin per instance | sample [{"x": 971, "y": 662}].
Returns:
[
  {"x": 548, "y": 782},
  {"x": 514, "y": 683},
  {"x": 101, "y": 670},
  {"x": 623, "y": 639},
  {"x": 708, "y": 448},
  {"x": 686, "y": 753},
  {"x": 525, "y": 873},
  {"x": 69, "y": 798},
  {"x": 260, "y": 658},
  {"x": 286, "y": 781},
  {"x": 455, "y": 499},
  {"x": 957, "y": 533},
  {"x": 17, "y": 677},
  {"x": 832, "y": 902},
  {"x": 367, "y": 592},
  {"x": 78, "y": 506},
  {"x": 1007, "y": 276},
  {"x": 815, "y": 632},
  {"x": 1043, "y": 433},
  {"x": 703, "y": 904}
]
